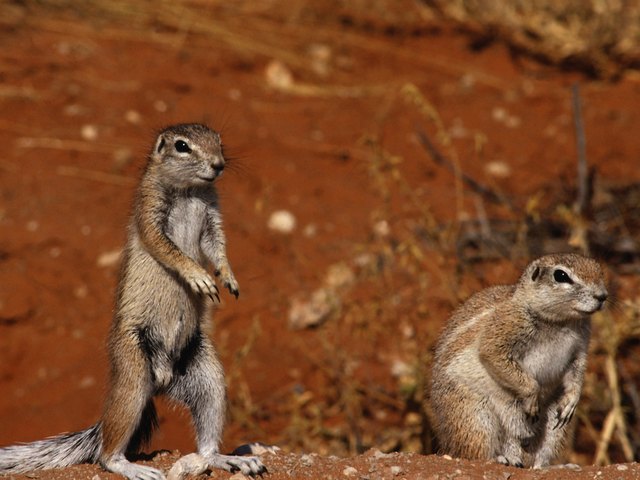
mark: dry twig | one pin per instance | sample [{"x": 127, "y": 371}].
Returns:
[{"x": 472, "y": 183}]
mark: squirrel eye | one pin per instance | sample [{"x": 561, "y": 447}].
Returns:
[
  {"x": 182, "y": 147},
  {"x": 561, "y": 276}
]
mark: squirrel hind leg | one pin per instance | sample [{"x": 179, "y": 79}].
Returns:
[
  {"x": 120, "y": 465},
  {"x": 142, "y": 435},
  {"x": 129, "y": 414},
  {"x": 465, "y": 425}
]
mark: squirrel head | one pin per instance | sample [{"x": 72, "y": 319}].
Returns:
[
  {"x": 562, "y": 287},
  {"x": 188, "y": 155}
]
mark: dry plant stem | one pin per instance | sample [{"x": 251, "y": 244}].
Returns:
[
  {"x": 608, "y": 427},
  {"x": 581, "y": 146},
  {"x": 337, "y": 374},
  {"x": 244, "y": 407},
  {"x": 413, "y": 95},
  {"x": 614, "y": 421},
  {"x": 632, "y": 391},
  {"x": 10, "y": 91},
  {"x": 95, "y": 176},
  {"x": 577, "y": 219},
  {"x": 476, "y": 186},
  {"x": 384, "y": 160},
  {"x": 61, "y": 144},
  {"x": 593, "y": 433}
]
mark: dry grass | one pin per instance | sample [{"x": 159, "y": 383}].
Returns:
[{"x": 602, "y": 36}]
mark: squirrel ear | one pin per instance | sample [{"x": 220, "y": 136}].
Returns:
[
  {"x": 160, "y": 144},
  {"x": 535, "y": 274}
]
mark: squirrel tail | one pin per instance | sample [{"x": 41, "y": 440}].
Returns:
[
  {"x": 55, "y": 452},
  {"x": 69, "y": 449}
]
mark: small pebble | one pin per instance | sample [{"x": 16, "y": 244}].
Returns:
[
  {"x": 278, "y": 75},
  {"x": 381, "y": 228},
  {"x": 160, "y": 106},
  {"x": 282, "y": 221},
  {"x": 350, "y": 472},
  {"x": 498, "y": 169},
  {"x": 108, "y": 259},
  {"x": 307, "y": 460},
  {"x": 238, "y": 476},
  {"x": 379, "y": 454},
  {"x": 89, "y": 132},
  {"x": 133, "y": 116},
  {"x": 310, "y": 230},
  {"x": 87, "y": 382}
]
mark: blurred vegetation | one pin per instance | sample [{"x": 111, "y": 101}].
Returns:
[{"x": 599, "y": 36}]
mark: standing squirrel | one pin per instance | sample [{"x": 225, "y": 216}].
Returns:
[
  {"x": 156, "y": 342},
  {"x": 510, "y": 363}
]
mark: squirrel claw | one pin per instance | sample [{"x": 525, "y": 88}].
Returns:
[
  {"x": 234, "y": 291},
  {"x": 565, "y": 414}
]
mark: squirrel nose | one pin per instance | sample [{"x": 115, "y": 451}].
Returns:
[
  {"x": 601, "y": 296},
  {"x": 217, "y": 164}
]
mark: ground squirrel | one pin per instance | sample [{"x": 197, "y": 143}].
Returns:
[
  {"x": 156, "y": 343},
  {"x": 510, "y": 363}
]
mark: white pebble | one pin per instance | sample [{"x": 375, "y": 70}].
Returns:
[
  {"x": 622, "y": 468},
  {"x": 498, "y": 169},
  {"x": 499, "y": 114},
  {"x": 278, "y": 75},
  {"x": 307, "y": 460},
  {"x": 282, "y": 221},
  {"x": 396, "y": 470},
  {"x": 89, "y": 132},
  {"x": 235, "y": 94},
  {"x": 310, "y": 230},
  {"x": 133, "y": 116},
  {"x": 350, "y": 472},
  {"x": 379, "y": 454},
  {"x": 108, "y": 259},
  {"x": 160, "y": 106},
  {"x": 381, "y": 228},
  {"x": 87, "y": 382}
]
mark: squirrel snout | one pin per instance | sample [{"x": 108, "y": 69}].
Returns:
[
  {"x": 601, "y": 296},
  {"x": 217, "y": 163}
]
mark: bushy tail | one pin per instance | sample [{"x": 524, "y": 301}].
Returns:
[{"x": 60, "y": 451}]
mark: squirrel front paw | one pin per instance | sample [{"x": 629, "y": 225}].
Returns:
[
  {"x": 565, "y": 411},
  {"x": 202, "y": 283},
  {"x": 228, "y": 280}
]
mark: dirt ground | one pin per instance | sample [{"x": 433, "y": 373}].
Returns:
[{"x": 319, "y": 112}]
